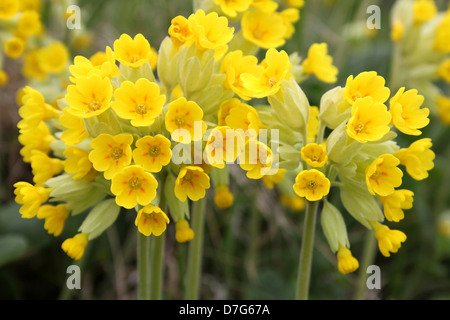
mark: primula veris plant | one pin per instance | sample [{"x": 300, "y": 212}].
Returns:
[{"x": 151, "y": 128}]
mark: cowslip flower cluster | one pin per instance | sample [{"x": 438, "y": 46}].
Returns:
[
  {"x": 133, "y": 133},
  {"x": 136, "y": 125},
  {"x": 43, "y": 57},
  {"x": 359, "y": 156},
  {"x": 365, "y": 162},
  {"x": 421, "y": 56}
]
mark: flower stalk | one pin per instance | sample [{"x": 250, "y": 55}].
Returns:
[
  {"x": 143, "y": 258},
  {"x": 195, "y": 251},
  {"x": 306, "y": 253}
]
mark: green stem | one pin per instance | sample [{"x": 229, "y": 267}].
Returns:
[
  {"x": 195, "y": 251},
  {"x": 369, "y": 253},
  {"x": 143, "y": 258},
  {"x": 252, "y": 256},
  {"x": 306, "y": 254},
  {"x": 157, "y": 259}
]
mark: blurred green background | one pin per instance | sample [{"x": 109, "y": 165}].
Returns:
[{"x": 251, "y": 250}]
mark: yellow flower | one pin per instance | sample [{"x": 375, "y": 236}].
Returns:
[
  {"x": 180, "y": 32},
  {"x": 233, "y": 65},
  {"x": 444, "y": 70},
  {"x": 132, "y": 186},
  {"x": 111, "y": 153},
  {"x": 366, "y": 84},
  {"x": 369, "y": 121},
  {"x": 395, "y": 203},
  {"x": 14, "y": 47},
  {"x": 54, "y": 58},
  {"x": 320, "y": 63},
  {"x": 44, "y": 167},
  {"x": 223, "y": 198},
  {"x": 346, "y": 262},
  {"x": 313, "y": 123},
  {"x": 277, "y": 68},
  {"x": 153, "y": 58},
  {"x": 185, "y": 115},
  {"x": 8, "y": 8},
  {"x": 55, "y": 217},
  {"x": 312, "y": 185},
  {"x": 424, "y": 10},
  {"x": 38, "y": 138},
  {"x": 407, "y": 116},
  {"x": 223, "y": 146},
  {"x": 184, "y": 233},
  {"x": 290, "y": 16},
  {"x": 132, "y": 52},
  {"x": 265, "y": 5},
  {"x": 442, "y": 34},
  {"x": 418, "y": 158},
  {"x": 383, "y": 175},
  {"x": 314, "y": 154},
  {"x": 398, "y": 29},
  {"x": 152, "y": 153},
  {"x": 443, "y": 106},
  {"x": 265, "y": 29},
  {"x": 78, "y": 164},
  {"x": 271, "y": 180},
  {"x": 224, "y": 110},
  {"x": 75, "y": 128},
  {"x": 75, "y": 247},
  {"x": 293, "y": 202},
  {"x": 388, "y": 240},
  {"x": 140, "y": 102},
  {"x": 29, "y": 23},
  {"x": 30, "y": 197},
  {"x": 295, "y": 3},
  {"x": 151, "y": 220},
  {"x": 256, "y": 158},
  {"x": 90, "y": 96},
  {"x": 4, "y": 78},
  {"x": 34, "y": 109},
  {"x": 30, "y": 5},
  {"x": 31, "y": 68},
  {"x": 231, "y": 8},
  {"x": 191, "y": 183},
  {"x": 102, "y": 63},
  {"x": 211, "y": 32}
]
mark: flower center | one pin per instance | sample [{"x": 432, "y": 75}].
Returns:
[
  {"x": 141, "y": 109},
  {"x": 312, "y": 184},
  {"x": 315, "y": 157},
  {"x": 356, "y": 96},
  {"x": 134, "y": 58},
  {"x": 360, "y": 128},
  {"x": 180, "y": 121},
  {"x": 375, "y": 175},
  {"x": 116, "y": 153},
  {"x": 135, "y": 183},
  {"x": 94, "y": 105},
  {"x": 149, "y": 216},
  {"x": 216, "y": 144},
  {"x": 272, "y": 81},
  {"x": 154, "y": 151},
  {"x": 258, "y": 34}
]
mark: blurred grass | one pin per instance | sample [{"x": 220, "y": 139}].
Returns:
[{"x": 251, "y": 250}]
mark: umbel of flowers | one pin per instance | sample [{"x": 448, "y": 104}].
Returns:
[
  {"x": 113, "y": 133},
  {"x": 149, "y": 132}
]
